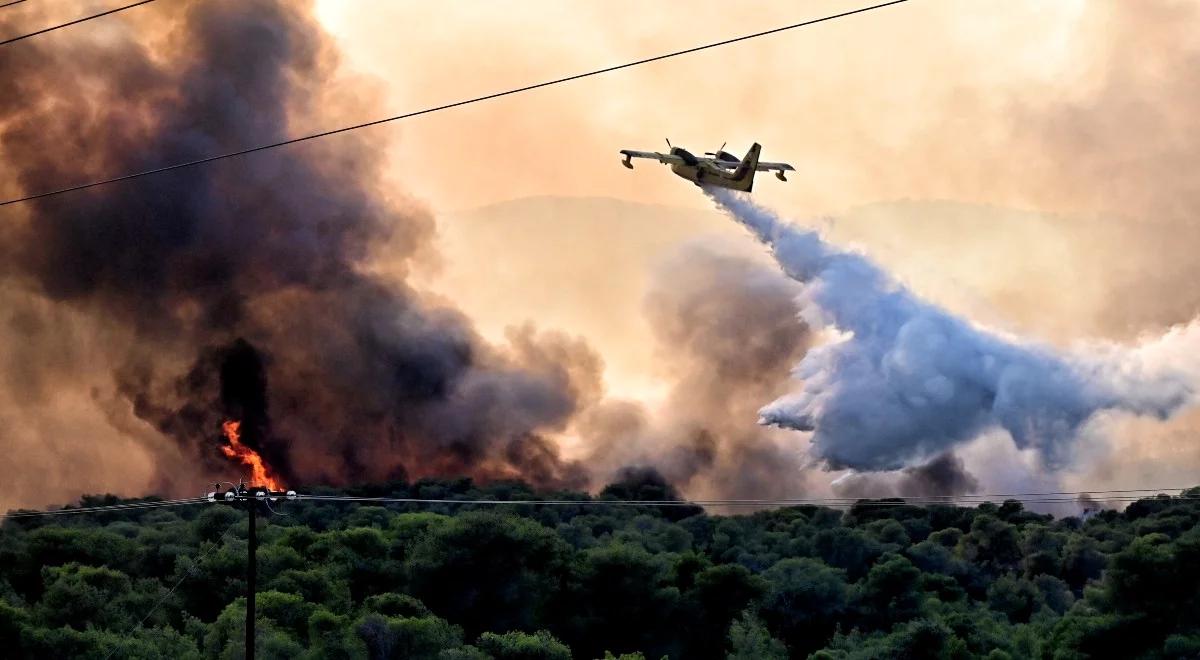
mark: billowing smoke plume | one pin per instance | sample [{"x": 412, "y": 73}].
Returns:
[
  {"x": 942, "y": 476},
  {"x": 909, "y": 381},
  {"x": 238, "y": 289},
  {"x": 726, "y": 330}
]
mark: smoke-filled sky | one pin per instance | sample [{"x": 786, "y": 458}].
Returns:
[{"x": 1018, "y": 164}]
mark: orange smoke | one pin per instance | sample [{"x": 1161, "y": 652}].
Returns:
[{"x": 258, "y": 469}]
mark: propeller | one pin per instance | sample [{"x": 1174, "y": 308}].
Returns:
[
  {"x": 669, "y": 143},
  {"x": 719, "y": 150}
]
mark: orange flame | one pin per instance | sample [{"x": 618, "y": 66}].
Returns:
[{"x": 249, "y": 457}]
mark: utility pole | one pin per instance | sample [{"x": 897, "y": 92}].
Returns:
[
  {"x": 251, "y": 576},
  {"x": 252, "y": 497}
]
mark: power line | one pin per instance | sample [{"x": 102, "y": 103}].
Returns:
[
  {"x": 103, "y": 509},
  {"x": 1064, "y": 497},
  {"x": 827, "y": 499},
  {"x": 106, "y": 508},
  {"x": 70, "y": 23},
  {"x": 1126, "y": 495},
  {"x": 9, "y": 4},
  {"x": 860, "y": 503},
  {"x": 478, "y": 99}
]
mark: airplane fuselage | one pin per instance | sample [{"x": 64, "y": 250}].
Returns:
[
  {"x": 714, "y": 169},
  {"x": 700, "y": 173},
  {"x": 706, "y": 173}
]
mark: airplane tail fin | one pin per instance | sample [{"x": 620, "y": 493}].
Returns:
[{"x": 743, "y": 176}]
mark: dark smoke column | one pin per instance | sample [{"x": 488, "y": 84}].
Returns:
[{"x": 243, "y": 282}]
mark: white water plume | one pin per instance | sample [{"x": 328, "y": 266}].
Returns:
[{"x": 908, "y": 380}]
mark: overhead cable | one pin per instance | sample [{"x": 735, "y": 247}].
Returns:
[
  {"x": 447, "y": 106},
  {"x": 128, "y": 506},
  {"x": 69, "y": 23},
  {"x": 1060, "y": 497},
  {"x": 1057, "y": 498}
]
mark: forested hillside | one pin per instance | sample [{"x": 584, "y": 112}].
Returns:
[{"x": 448, "y": 581}]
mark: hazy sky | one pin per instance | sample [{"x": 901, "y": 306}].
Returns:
[
  {"x": 918, "y": 101},
  {"x": 1060, "y": 136},
  {"x": 850, "y": 102},
  {"x": 859, "y": 105},
  {"x": 1027, "y": 164}
]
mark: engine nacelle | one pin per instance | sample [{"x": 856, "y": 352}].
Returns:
[
  {"x": 779, "y": 175},
  {"x": 628, "y": 162}
]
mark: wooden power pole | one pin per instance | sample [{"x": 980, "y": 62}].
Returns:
[
  {"x": 251, "y": 575},
  {"x": 252, "y": 497}
]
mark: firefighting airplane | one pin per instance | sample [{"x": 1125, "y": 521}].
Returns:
[{"x": 718, "y": 168}]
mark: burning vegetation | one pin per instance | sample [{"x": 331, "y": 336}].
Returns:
[{"x": 260, "y": 473}]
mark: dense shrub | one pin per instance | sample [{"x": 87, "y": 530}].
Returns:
[{"x": 592, "y": 580}]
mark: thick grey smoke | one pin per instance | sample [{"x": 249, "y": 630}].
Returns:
[
  {"x": 908, "y": 381},
  {"x": 726, "y": 330},
  {"x": 944, "y": 475},
  {"x": 241, "y": 289}
]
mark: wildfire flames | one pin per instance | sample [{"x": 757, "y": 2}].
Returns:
[{"x": 247, "y": 456}]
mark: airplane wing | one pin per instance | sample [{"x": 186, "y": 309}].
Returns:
[
  {"x": 662, "y": 158},
  {"x": 762, "y": 167}
]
